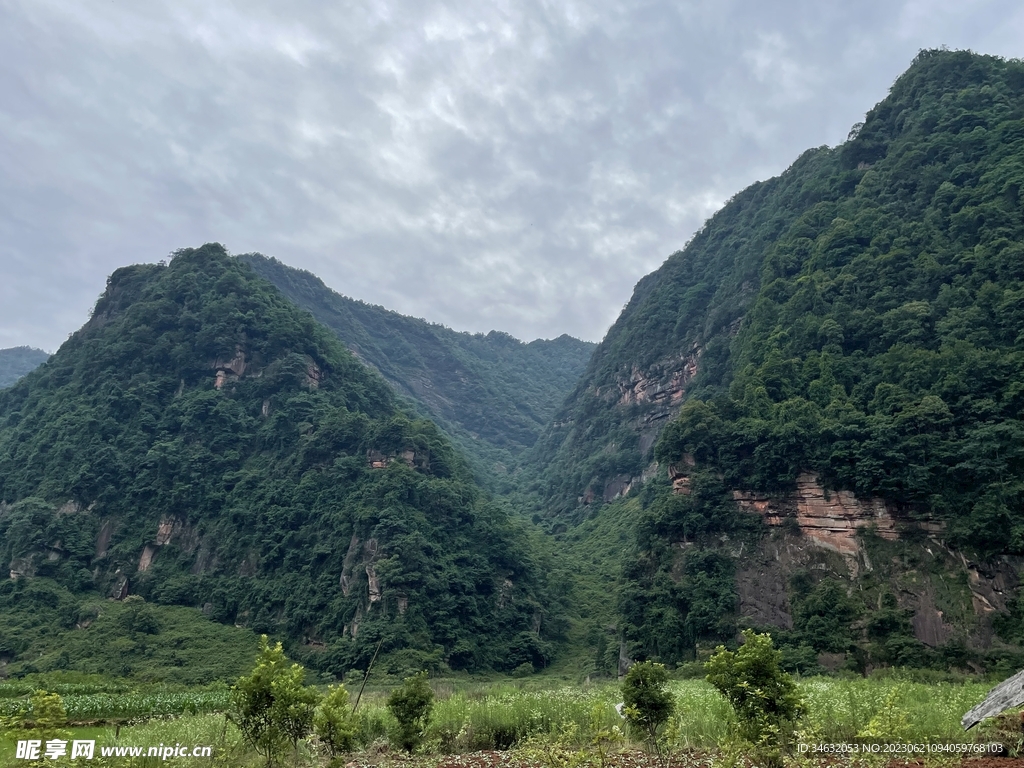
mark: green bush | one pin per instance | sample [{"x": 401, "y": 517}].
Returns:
[
  {"x": 271, "y": 706},
  {"x": 764, "y": 697},
  {"x": 648, "y": 702},
  {"x": 411, "y": 705},
  {"x": 334, "y": 723}
]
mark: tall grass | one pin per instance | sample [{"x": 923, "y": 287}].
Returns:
[
  {"x": 500, "y": 716},
  {"x": 836, "y": 711}
]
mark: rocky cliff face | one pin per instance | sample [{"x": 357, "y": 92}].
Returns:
[{"x": 835, "y": 533}]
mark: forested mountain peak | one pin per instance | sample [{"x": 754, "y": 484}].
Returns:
[
  {"x": 839, "y": 354},
  {"x": 203, "y": 442},
  {"x": 904, "y": 241}
]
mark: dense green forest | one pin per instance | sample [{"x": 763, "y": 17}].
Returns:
[
  {"x": 17, "y": 361},
  {"x": 202, "y": 442},
  {"x": 880, "y": 346},
  {"x": 860, "y": 308},
  {"x": 492, "y": 393}
]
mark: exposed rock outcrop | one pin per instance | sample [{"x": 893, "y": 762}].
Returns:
[
  {"x": 168, "y": 530},
  {"x": 361, "y": 556},
  {"x": 827, "y": 519},
  {"x": 379, "y": 460},
  {"x": 228, "y": 370},
  {"x": 814, "y": 530},
  {"x": 103, "y": 538},
  {"x": 643, "y": 387}
]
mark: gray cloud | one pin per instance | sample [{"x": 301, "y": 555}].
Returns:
[{"x": 511, "y": 165}]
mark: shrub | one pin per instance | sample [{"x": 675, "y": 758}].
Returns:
[
  {"x": 271, "y": 706},
  {"x": 763, "y": 696},
  {"x": 411, "y": 705},
  {"x": 648, "y": 703},
  {"x": 44, "y": 720},
  {"x": 334, "y": 723}
]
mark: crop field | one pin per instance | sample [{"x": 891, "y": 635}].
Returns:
[
  {"x": 126, "y": 706},
  {"x": 558, "y": 726}
]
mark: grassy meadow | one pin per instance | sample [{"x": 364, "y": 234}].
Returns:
[{"x": 537, "y": 721}]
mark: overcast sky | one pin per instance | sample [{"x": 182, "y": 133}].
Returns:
[{"x": 515, "y": 164}]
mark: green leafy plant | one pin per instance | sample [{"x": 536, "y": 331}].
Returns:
[
  {"x": 648, "y": 702},
  {"x": 891, "y": 723},
  {"x": 271, "y": 706},
  {"x": 411, "y": 705},
  {"x": 334, "y": 723},
  {"x": 44, "y": 720},
  {"x": 764, "y": 697}
]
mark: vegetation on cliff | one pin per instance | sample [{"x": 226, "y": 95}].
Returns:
[
  {"x": 684, "y": 311},
  {"x": 885, "y": 347},
  {"x": 202, "y": 442},
  {"x": 859, "y": 316}
]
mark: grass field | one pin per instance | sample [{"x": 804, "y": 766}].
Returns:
[{"x": 553, "y": 725}]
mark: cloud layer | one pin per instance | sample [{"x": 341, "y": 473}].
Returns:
[{"x": 510, "y": 165}]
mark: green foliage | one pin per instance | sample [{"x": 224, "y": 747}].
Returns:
[
  {"x": 155, "y": 702},
  {"x": 290, "y": 489},
  {"x": 824, "y": 615},
  {"x": 765, "y": 699},
  {"x": 648, "y": 702},
  {"x": 689, "y": 306},
  {"x": 49, "y": 629},
  {"x": 44, "y": 719},
  {"x": 411, "y": 705},
  {"x": 334, "y": 723},
  {"x": 46, "y": 714},
  {"x": 679, "y": 583},
  {"x": 138, "y": 617},
  {"x": 891, "y": 723},
  {"x": 17, "y": 362},
  {"x": 270, "y": 705}
]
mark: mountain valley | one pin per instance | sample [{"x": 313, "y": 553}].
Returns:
[{"x": 809, "y": 421}]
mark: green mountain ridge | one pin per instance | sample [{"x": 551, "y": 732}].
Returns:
[
  {"x": 202, "y": 442},
  {"x": 18, "y": 361},
  {"x": 492, "y": 393}
]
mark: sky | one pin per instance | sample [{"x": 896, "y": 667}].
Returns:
[{"x": 508, "y": 164}]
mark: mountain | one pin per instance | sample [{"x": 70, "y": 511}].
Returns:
[
  {"x": 17, "y": 361},
  {"x": 492, "y": 393},
  {"x": 838, "y": 353},
  {"x": 202, "y": 442}
]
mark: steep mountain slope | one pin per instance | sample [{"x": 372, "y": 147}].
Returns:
[
  {"x": 933, "y": 173},
  {"x": 846, "y": 346},
  {"x": 17, "y": 361},
  {"x": 677, "y": 324},
  {"x": 202, "y": 442},
  {"x": 491, "y": 393}
]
